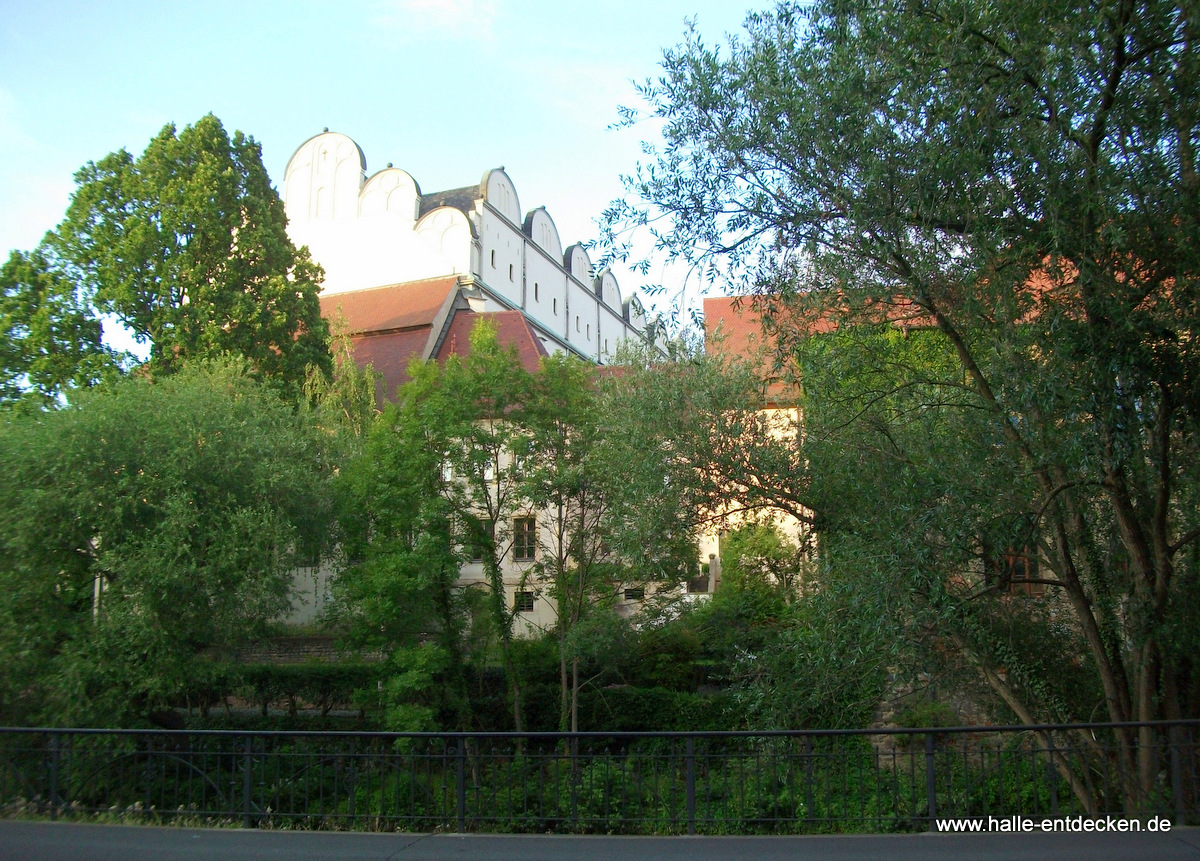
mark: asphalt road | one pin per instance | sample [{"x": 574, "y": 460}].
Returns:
[{"x": 47, "y": 841}]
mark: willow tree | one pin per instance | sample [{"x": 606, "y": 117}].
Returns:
[{"x": 1019, "y": 181}]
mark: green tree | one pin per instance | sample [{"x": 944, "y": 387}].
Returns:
[
  {"x": 146, "y": 527},
  {"x": 187, "y": 246},
  {"x": 440, "y": 487},
  {"x": 759, "y": 556},
  {"x": 697, "y": 445},
  {"x": 1020, "y": 179},
  {"x": 397, "y": 590},
  {"x": 567, "y": 479},
  {"x": 342, "y": 404},
  {"x": 486, "y": 468},
  {"x": 49, "y": 337}
]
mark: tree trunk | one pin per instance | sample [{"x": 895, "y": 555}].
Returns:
[{"x": 575, "y": 695}]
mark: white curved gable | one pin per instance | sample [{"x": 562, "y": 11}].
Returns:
[
  {"x": 578, "y": 263},
  {"x": 447, "y": 233},
  {"x": 635, "y": 314},
  {"x": 607, "y": 290},
  {"x": 370, "y": 232},
  {"x": 539, "y": 227},
  {"x": 323, "y": 179},
  {"x": 365, "y": 233},
  {"x": 393, "y": 192},
  {"x": 499, "y": 191}
]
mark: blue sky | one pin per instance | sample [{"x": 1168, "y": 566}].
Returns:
[{"x": 442, "y": 88}]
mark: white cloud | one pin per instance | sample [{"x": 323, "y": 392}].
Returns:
[{"x": 457, "y": 19}]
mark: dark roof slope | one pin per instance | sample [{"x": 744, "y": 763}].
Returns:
[{"x": 460, "y": 198}]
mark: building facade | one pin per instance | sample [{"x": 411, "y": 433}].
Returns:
[
  {"x": 381, "y": 230},
  {"x": 408, "y": 274}
]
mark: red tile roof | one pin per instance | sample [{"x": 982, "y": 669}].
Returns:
[
  {"x": 384, "y": 309},
  {"x": 391, "y": 326},
  {"x": 390, "y": 353},
  {"x": 511, "y": 328},
  {"x": 733, "y": 326}
]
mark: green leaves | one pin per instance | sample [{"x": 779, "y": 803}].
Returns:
[
  {"x": 146, "y": 524},
  {"x": 187, "y": 246},
  {"x": 997, "y": 207},
  {"x": 49, "y": 336}
]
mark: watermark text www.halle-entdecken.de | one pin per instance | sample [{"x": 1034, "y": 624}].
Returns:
[{"x": 1067, "y": 824}]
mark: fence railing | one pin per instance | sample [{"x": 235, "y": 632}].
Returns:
[{"x": 661, "y": 783}]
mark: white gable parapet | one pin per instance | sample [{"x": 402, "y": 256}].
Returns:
[
  {"x": 323, "y": 179},
  {"x": 372, "y": 232}
]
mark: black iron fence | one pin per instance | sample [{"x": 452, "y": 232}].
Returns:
[{"x": 639, "y": 783}]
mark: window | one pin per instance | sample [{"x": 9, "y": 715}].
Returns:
[
  {"x": 524, "y": 538},
  {"x": 493, "y": 258},
  {"x": 480, "y": 537},
  {"x": 1011, "y": 569},
  {"x": 523, "y": 602},
  {"x": 535, "y": 291},
  {"x": 589, "y": 331},
  {"x": 635, "y": 593},
  {"x": 475, "y": 547},
  {"x": 554, "y": 305},
  {"x": 510, "y": 272},
  {"x": 576, "y": 322},
  {"x": 521, "y": 465}
]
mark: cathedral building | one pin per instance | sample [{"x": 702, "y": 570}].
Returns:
[{"x": 408, "y": 273}]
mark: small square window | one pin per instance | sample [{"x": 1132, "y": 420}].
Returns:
[
  {"x": 635, "y": 593},
  {"x": 524, "y": 539},
  {"x": 523, "y": 602}
]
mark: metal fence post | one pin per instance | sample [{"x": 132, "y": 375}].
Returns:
[
  {"x": 247, "y": 788},
  {"x": 55, "y": 741},
  {"x": 930, "y": 781},
  {"x": 1052, "y": 779},
  {"x": 690, "y": 760},
  {"x": 808, "y": 778},
  {"x": 574, "y": 777},
  {"x": 1174, "y": 735},
  {"x": 352, "y": 779},
  {"x": 461, "y": 781}
]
